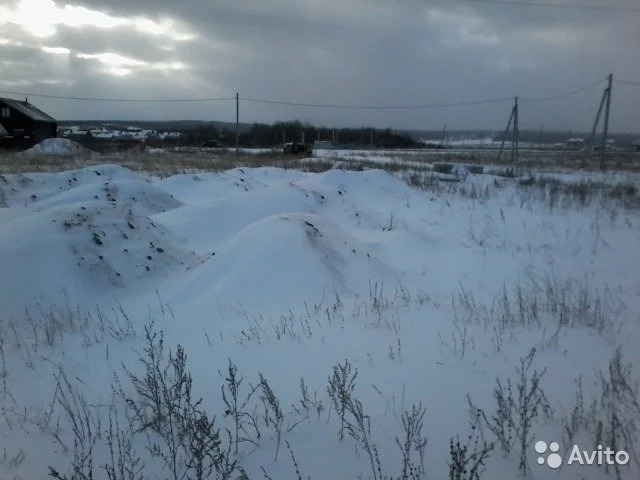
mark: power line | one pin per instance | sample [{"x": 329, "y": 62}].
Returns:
[
  {"x": 626, "y": 82},
  {"x": 558, "y": 5},
  {"x": 376, "y": 107},
  {"x": 94, "y": 99},
  {"x": 319, "y": 105},
  {"x": 435, "y": 105},
  {"x": 562, "y": 95}
]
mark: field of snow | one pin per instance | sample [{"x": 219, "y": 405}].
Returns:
[{"x": 271, "y": 323}]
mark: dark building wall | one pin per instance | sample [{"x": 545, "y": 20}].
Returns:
[
  {"x": 42, "y": 131},
  {"x": 25, "y": 130},
  {"x": 16, "y": 120}
]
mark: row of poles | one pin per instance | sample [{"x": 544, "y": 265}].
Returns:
[
  {"x": 604, "y": 102},
  {"x": 512, "y": 124}
]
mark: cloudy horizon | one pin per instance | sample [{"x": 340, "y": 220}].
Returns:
[{"x": 329, "y": 52}]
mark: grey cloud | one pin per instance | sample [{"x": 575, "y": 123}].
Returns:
[{"x": 354, "y": 52}]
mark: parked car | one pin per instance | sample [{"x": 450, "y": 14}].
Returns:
[{"x": 297, "y": 148}]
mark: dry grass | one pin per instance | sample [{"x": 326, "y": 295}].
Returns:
[
  {"x": 159, "y": 164},
  {"x": 179, "y": 162}
]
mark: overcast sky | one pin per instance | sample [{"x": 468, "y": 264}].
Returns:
[{"x": 347, "y": 52}]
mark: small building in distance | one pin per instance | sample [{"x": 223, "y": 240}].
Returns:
[
  {"x": 22, "y": 125},
  {"x": 575, "y": 144}
]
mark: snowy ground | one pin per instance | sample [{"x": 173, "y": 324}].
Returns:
[
  {"x": 58, "y": 146},
  {"x": 433, "y": 292}
]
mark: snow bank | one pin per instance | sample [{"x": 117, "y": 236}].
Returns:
[
  {"x": 297, "y": 256},
  {"x": 86, "y": 231},
  {"x": 25, "y": 189},
  {"x": 58, "y": 146}
]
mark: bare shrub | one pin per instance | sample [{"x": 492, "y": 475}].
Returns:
[
  {"x": 123, "y": 463},
  {"x": 342, "y": 382},
  {"x": 467, "y": 459},
  {"x": 308, "y": 404},
  {"x": 245, "y": 424},
  {"x": 412, "y": 442},
  {"x": 85, "y": 425},
  {"x": 578, "y": 418},
  {"x": 358, "y": 426},
  {"x": 178, "y": 431},
  {"x": 517, "y": 409},
  {"x": 273, "y": 414},
  {"x": 619, "y": 409}
]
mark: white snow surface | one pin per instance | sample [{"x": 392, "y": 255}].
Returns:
[
  {"x": 56, "y": 146},
  {"x": 287, "y": 273}
]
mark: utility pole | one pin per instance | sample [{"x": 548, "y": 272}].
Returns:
[
  {"x": 540, "y": 139},
  {"x": 516, "y": 133},
  {"x": 362, "y": 137},
  {"x": 371, "y": 138},
  {"x": 606, "y": 103},
  {"x": 445, "y": 138},
  {"x": 595, "y": 123},
  {"x": 237, "y": 124},
  {"x": 606, "y": 115}
]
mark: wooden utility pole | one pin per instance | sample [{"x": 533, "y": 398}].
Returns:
[
  {"x": 445, "y": 138},
  {"x": 516, "y": 133},
  {"x": 237, "y": 124},
  {"x": 504, "y": 136},
  {"x": 540, "y": 139},
  {"x": 595, "y": 123},
  {"x": 605, "y": 102},
  {"x": 606, "y": 115}
]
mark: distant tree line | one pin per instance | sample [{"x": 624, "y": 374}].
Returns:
[{"x": 262, "y": 135}]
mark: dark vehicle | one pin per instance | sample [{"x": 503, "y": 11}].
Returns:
[
  {"x": 297, "y": 148},
  {"x": 212, "y": 144}
]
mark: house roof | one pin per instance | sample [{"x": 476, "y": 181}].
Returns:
[{"x": 28, "y": 110}]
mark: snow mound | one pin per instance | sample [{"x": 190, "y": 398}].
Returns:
[
  {"x": 226, "y": 218},
  {"x": 26, "y": 189},
  {"x": 94, "y": 251},
  {"x": 94, "y": 238},
  {"x": 57, "y": 146},
  {"x": 145, "y": 197},
  {"x": 200, "y": 188},
  {"x": 283, "y": 256}
]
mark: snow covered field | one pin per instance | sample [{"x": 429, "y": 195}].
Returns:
[{"x": 481, "y": 316}]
